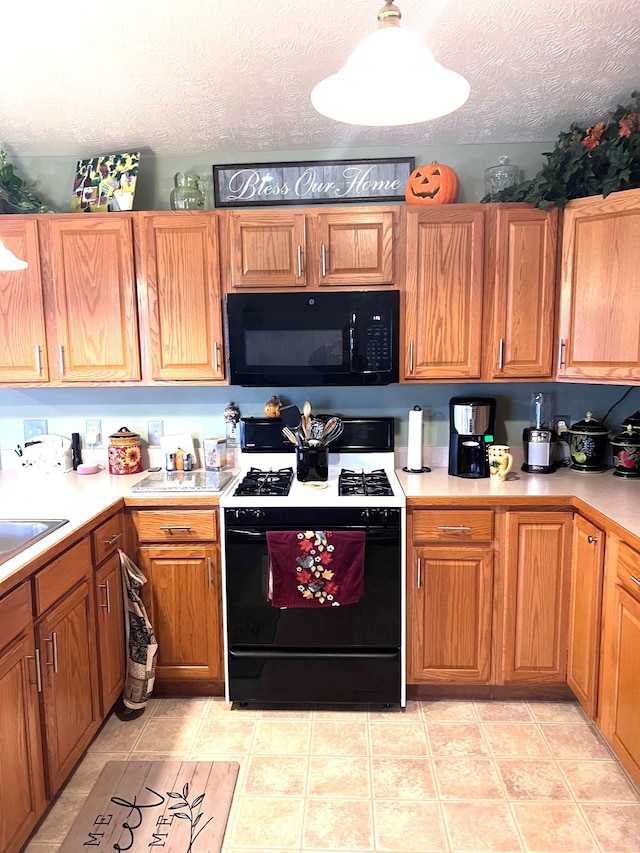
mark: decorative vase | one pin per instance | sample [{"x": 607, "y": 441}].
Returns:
[{"x": 187, "y": 193}]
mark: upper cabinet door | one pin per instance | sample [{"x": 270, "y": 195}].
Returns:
[
  {"x": 23, "y": 350},
  {"x": 353, "y": 248},
  {"x": 521, "y": 272},
  {"x": 267, "y": 249},
  {"x": 600, "y": 290},
  {"x": 180, "y": 295},
  {"x": 88, "y": 270},
  {"x": 444, "y": 292}
]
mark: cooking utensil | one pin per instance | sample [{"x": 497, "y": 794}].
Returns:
[
  {"x": 316, "y": 429},
  {"x": 291, "y": 435},
  {"x": 332, "y": 429},
  {"x": 306, "y": 419},
  {"x": 290, "y": 416}
]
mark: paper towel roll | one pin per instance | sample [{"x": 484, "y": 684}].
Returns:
[{"x": 414, "y": 440}]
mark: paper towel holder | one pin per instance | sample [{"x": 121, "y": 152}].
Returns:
[{"x": 424, "y": 469}]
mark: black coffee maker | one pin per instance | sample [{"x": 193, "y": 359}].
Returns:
[{"x": 471, "y": 429}]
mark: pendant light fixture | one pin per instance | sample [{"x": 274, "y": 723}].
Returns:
[
  {"x": 8, "y": 261},
  {"x": 390, "y": 79}
]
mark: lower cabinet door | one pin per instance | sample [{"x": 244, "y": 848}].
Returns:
[
  {"x": 449, "y": 615},
  {"x": 536, "y": 597},
  {"x": 110, "y": 624},
  {"x": 182, "y": 598},
  {"x": 624, "y": 682},
  {"x": 21, "y": 769},
  {"x": 66, "y": 640}
]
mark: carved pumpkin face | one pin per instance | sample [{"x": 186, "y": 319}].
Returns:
[{"x": 432, "y": 184}]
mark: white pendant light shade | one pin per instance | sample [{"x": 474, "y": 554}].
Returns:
[
  {"x": 391, "y": 78},
  {"x": 8, "y": 261}
]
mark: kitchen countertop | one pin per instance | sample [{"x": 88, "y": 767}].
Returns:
[{"x": 90, "y": 498}]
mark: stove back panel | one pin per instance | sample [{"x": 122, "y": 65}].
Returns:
[{"x": 360, "y": 435}]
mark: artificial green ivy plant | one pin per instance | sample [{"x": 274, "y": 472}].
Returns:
[{"x": 16, "y": 195}]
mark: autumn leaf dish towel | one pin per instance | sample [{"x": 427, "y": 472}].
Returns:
[{"x": 315, "y": 568}]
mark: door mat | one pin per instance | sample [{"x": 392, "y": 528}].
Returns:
[{"x": 174, "y": 806}]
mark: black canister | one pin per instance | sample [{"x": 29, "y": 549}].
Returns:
[
  {"x": 626, "y": 453},
  {"x": 632, "y": 421},
  {"x": 312, "y": 464},
  {"x": 588, "y": 443}
]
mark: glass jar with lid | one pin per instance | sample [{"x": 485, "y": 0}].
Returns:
[
  {"x": 497, "y": 178},
  {"x": 187, "y": 193}
]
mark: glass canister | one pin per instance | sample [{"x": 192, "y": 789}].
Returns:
[
  {"x": 187, "y": 193},
  {"x": 125, "y": 452},
  {"x": 500, "y": 177}
]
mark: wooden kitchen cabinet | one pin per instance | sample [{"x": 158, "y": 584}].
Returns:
[
  {"x": 450, "y": 596},
  {"x": 585, "y": 610},
  {"x": 600, "y": 290},
  {"x": 620, "y": 681},
  {"x": 180, "y": 557},
  {"x": 90, "y": 297},
  {"x": 279, "y": 249},
  {"x": 66, "y": 640},
  {"x": 444, "y": 286},
  {"x": 537, "y": 571},
  {"x": 21, "y": 765},
  {"x": 23, "y": 341},
  {"x": 520, "y": 288},
  {"x": 180, "y": 295},
  {"x": 105, "y": 541}
]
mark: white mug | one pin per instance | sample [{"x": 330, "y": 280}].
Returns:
[{"x": 500, "y": 460}]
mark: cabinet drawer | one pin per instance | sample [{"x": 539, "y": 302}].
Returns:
[
  {"x": 15, "y": 613},
  {"x": 453, "y": 525},
  {"x": 107, "y": 538},
  {"x": 61, "y": 575},
  {"x": 629, "y": 570},
  {"x": 176, "y": 526}
]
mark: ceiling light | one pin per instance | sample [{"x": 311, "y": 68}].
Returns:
[
  {"x": 391, "y": 78},
  {"x": 8, "y": 261}
]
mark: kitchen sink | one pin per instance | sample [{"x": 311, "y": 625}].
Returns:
[{"x": 18, "y": 534}]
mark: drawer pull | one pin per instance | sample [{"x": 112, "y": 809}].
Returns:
[
  {"x": 38, "y": 360},
  {"x": 635, "y": 580},
  {"x": 210, "y": 572},
  {"x": 107, "y": 596},
  {"x": 38, "y": 681},
  {"x": 460, "y": 527},
  {"x": 299, "y": 254},
  {"x": 54, "y": 643},
  {"x": 410, "y": 356},
  {"x": 171, "y": 527},
  {"x": 501, "y": 354},
  {"x": 113, "y": 539},
  {"x": 592, "y": 539},
  {"x": 61, "y": 358},
  {"x": 419, "y": 571},
  {"x": 324, "y": 261},
  {"x": 216, "y": 359}
]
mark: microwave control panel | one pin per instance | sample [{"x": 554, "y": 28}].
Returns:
[{"x": 377, "y": 344}]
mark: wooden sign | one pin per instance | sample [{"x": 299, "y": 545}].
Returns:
[
  {"x": 313, "y": 182},
  {"x": 138, "y": 806}
]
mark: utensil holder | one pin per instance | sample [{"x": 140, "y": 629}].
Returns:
[{"x": 312, "y": 464}]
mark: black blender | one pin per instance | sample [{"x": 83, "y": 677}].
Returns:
[{"x": 538, "y": 438}]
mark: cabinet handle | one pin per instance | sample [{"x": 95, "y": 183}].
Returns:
[
  {"x": 216, "y": 360},
  {"x": 419, "y": 571},
  {"x": 635, "y": 580},
  {"x": 54, "y": 643},
  {"x": 171, "y": 527},
  {"x": 592, "y": 539},
  {"x": 323, "y": 253},
  {"x": 61, "y": 358},
  {"x": 447, "y": 527},
  {"x": 38, "y": 681},
  {"x": 105, "y": 587},
  {"x": 113, "y": 539},
  {"x": 299, "y": 261},
  {"x": 561, "y": 353},
  {"x": 210, "y": 572},
  {"x": 501, "y": 354},
  {"x": 38, "y": 360},
  {"x": 410, "y": 356}
]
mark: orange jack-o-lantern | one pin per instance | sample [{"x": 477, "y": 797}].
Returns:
[{"x": 432, "y": 184}]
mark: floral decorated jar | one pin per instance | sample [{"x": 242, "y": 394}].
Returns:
[
  {"x": 626, "y": 453},
  {"x": 125, "y": 452},
  {"x": 588, "y": 443}
]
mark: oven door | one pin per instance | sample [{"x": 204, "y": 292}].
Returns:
[{"x": 339, "y": 654}]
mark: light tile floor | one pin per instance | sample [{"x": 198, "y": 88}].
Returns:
[{"x": 441, "y": 777}]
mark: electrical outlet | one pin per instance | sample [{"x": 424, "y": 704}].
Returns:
[
  {"x": 33, "y": 428},
  {"x": 561, "y": 423},
  {"x": 93, "y": 432},
  {"x": 155, "y": 432}
]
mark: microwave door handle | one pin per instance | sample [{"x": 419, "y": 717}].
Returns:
[{"x": 352, "y": 341}]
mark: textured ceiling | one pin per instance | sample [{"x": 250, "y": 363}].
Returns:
[{"x": 80, "y": 77}]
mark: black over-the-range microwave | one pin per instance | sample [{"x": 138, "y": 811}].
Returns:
[{"x": 313, "y": 338}]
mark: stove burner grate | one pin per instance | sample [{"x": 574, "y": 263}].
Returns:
[
  {"x": 374, "y": 483},
  {"x": 265, "y": 483}
]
